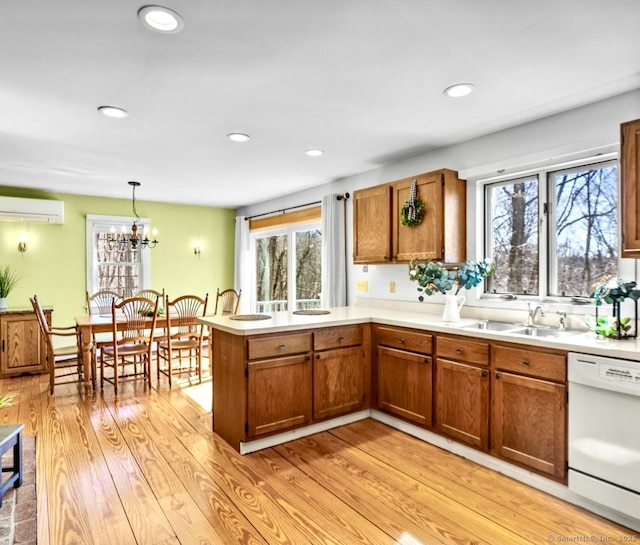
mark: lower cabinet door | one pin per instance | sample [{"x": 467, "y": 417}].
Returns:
[
  {"x": 279, "y": 394},
  {"x": 529, "y": 423},
  {"x": 405, "y": 385},
  {"x": 462, "y": 402},
  {"x": 338, "y": 382}
]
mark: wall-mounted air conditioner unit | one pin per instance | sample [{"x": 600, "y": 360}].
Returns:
[{"x": 33, "y": 210}]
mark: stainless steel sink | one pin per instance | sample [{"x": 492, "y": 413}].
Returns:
[
  {"x": 490, "y": 325},
  {"x": 542, "y": 332}
]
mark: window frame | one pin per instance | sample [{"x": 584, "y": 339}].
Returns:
[
  {"x": 284, "y": 229},
  {"x": 481, "y": 244},
  {"x": 102, "y": 224}
]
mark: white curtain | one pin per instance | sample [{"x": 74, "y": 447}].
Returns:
[
  {"x": 242, "y": 271},
  {"x": 334, "y": 281}
]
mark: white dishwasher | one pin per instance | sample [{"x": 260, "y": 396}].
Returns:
[{"x": 604, "y": 431}]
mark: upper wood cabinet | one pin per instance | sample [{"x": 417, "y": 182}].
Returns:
[
  {"x": 629, "y": 184},
  {"x": 380, "y": 237},
  {"x": 372, "y": 225},
  {"x": 442, "y": 234}
]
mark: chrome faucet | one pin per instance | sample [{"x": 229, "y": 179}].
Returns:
[{"x": 533, "y": 314}]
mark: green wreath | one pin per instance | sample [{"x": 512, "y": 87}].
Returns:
[{"x": 412, "y": 213}]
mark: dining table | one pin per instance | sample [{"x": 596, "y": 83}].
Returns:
[{"x": 90, "y": 324}]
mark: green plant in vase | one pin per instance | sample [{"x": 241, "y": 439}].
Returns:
[{"x": 9, "y": 279}]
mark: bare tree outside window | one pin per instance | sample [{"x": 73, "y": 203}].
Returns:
[
  {"x": 514, "y": 236},
  {"x": 274, "y": 278},
  {"x": 579, "y": 208},
  {"x": 586, "y": 245},
  {"x": 118, "y": 267}
]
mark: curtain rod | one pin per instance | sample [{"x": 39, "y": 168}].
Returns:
[{"x": 283, "y": 210}]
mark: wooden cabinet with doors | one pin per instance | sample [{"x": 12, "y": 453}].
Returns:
[
  {"x": 630, "y": 188},
  {"x": 23, "y": 348},
  {"x": 462, "y": 389},
  {"x": 372, "y": 225},
  {"x": 380, "y": 237},
  {"x": 529, "y": 408},
  {"x": 441, "y": 236},
  {"x": 341, "y": 374},
  {"x": 404, "y": 373}
]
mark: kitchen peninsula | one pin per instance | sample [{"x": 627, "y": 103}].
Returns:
[{"x": 497, "y": 397}]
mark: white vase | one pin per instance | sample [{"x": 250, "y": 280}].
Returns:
[
  {"x": 3, "y": 303},
  {"x": 452, "y": 306}
]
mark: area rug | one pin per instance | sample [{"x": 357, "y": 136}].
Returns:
[{"x": 18, "y": 523}]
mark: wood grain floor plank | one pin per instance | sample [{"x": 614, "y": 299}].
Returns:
[
  {"x": 389, "y": 487},
  {"x": 146, "y": 518},
  {"x": 536, "y": 511}
]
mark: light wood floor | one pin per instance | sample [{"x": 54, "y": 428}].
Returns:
[{"x": 146, "y": 469}]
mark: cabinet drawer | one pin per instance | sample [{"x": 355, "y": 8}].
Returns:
[
  {"x": 461, "y": 349},
  {"x": 337, "y": 337},
  {"x": 278, "y": 345},
  {"x": 530, "y": 362},
  {"x": 404, "y": 339}
]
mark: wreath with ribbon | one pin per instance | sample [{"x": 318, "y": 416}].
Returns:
[{"x": 413, "y": 208}]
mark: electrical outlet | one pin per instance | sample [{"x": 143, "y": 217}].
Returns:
[
  {"x": 363, "y": 285},
  {"x": 392, "y": 287}
]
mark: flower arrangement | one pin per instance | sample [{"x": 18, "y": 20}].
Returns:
[{"x": 435, "y": 277}]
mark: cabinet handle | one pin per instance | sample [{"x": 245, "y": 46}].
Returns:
[
  {"x": 401, "y": 341},
  {"x": 497, "y": 376},
  {"x": 426, "y": 361},
  {"x": 458, "y": 350},
  {"x": 282, "y": 346},
  {"x": 340, "y": 339},
  {"x": 484, "y": 374},
  {"x": 525, "y": 363}
]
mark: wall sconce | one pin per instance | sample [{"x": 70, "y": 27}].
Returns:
[
  {"x": 22, "y": 246},
  {"x": 196, "y": 251}
]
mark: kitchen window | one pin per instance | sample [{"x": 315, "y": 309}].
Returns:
[
  {"x": 111, "y": 266},
  {"x": 287, "y": 272},
  {"x": 553, "y": 232}
]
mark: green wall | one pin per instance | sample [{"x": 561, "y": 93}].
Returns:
[{"x": 54, "y": 267}]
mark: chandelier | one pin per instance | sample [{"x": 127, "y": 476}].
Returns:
[{"x": 134, "y": 239}]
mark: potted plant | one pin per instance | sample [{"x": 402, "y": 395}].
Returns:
[
  {"x": 8, "y": 281},
  {"x": 614, "y": 291},
  {"x": 435, "y": 277}
]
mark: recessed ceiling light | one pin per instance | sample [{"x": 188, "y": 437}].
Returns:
[
  {"x": 314, "y": 152},
  {"x": 161, "y": 19},
  {"x": 459, "y": 90},
  {"x": 238, "y": 137},
  {"x": 113, "y": 111}
]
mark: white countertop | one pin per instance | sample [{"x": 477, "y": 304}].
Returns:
[{"x": 586, "y": 343}]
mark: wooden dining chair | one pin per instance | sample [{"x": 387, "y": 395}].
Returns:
[
  {"x": 180, "y": 351},
  {"x": 100, "y": 302},
  {"x": 128, "y": 357},
  {"x": 151, "y": 294},
  {"x": 64, "y": 363},
  {"x": 227, "y": 301}
]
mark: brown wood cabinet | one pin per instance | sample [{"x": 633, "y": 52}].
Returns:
[
  {"x": 529, "y": 408},
  {"x": 404, "y": 373},
  {"x": 21, "y": 342},
  {"x": 380, "y": 237},
  {"x": 442, "y": 234},
  {"x": 462, "y": 390},
  {"x": 372, "y": 225},
  {"x": 340, "y": 371},
  {"x": 630, "y": 188}
]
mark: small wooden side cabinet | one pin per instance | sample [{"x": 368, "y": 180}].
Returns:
[{"x": 22, "y": 346}]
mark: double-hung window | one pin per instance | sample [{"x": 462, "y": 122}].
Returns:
[
  {"x": 111, "y": 265},
  {"x": 553, "y": 232}
]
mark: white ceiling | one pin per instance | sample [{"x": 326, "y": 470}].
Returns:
[{"x": 360, "y": 79}]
